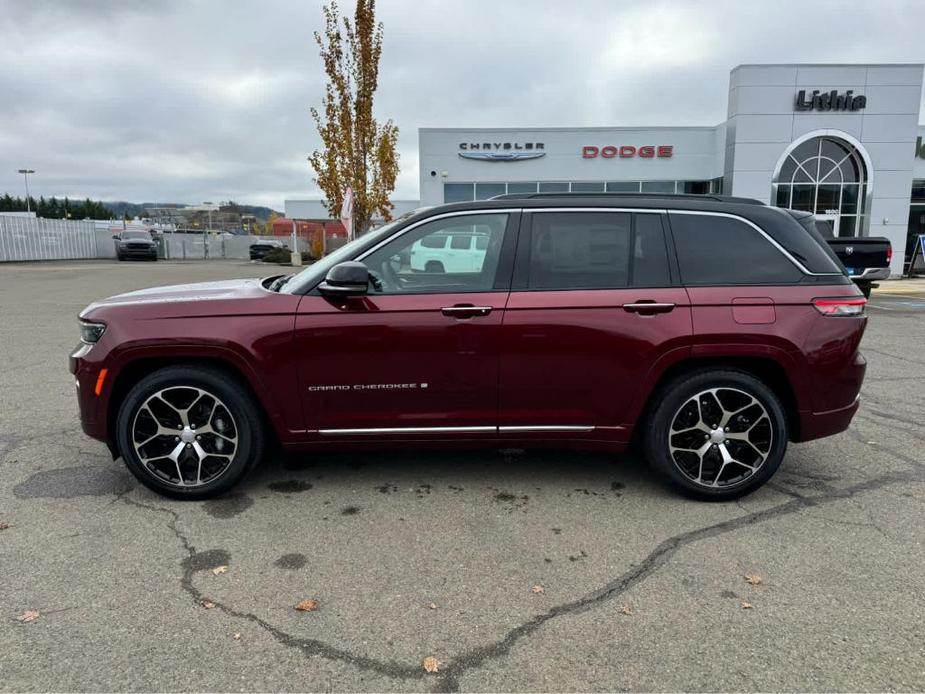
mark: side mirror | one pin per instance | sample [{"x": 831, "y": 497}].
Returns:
[
  {"x": 115, "y": 237},
  {"x": 350, "y": 278}
]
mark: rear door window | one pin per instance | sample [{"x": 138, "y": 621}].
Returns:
[
  {"x": 717, "y": 250},
  {"x": 579, "y": 250}
]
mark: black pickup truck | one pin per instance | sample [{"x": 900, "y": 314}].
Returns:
[{"x": 866, "y": 258}]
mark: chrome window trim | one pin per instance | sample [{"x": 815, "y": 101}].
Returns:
[
  {"x": 766, "y": 236},
  {"x": 596, "y": 209},
  {"x": 428, "y": 220}
]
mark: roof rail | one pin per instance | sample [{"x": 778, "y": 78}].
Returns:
[{"x": 652, "y": 196}]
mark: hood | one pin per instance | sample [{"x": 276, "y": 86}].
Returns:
[{"x": 183, "y": 293}]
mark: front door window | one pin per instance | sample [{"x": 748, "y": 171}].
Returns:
[{"x": 455, "y": 254}]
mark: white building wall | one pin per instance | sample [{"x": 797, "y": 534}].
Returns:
[
  {"x": 763, "y": 122},
  {"x": 695, "y": 156}
]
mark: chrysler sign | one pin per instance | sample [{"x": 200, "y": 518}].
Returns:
[
  {"x": 627, "y": 151},
  {"x": 501, "y": 151}
]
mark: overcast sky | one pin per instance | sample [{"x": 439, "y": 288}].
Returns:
[{"x": 191, "y": 101}]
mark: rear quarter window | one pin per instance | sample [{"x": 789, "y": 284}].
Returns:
[{"x": 717, "y": 250}]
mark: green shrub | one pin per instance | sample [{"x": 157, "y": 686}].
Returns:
[{"x": 283, "y": 256}]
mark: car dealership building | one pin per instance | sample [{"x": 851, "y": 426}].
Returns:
[{"x": 842, "y": 141}]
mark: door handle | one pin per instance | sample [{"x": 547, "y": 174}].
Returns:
[
  {"x": 465, "y": 311},
  {"x": 646, "y": 308}
]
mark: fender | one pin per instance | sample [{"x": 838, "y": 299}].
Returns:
[{"x": 236, "y": 356}]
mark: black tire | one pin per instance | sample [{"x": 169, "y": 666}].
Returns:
[
  {"x": 240, "y": 404},
  {"x": 120, "y": 257},
  {"x": 433, "y": 266},
  {"x": 865, "y": 289},
  {"x": 771, "y": 428}
]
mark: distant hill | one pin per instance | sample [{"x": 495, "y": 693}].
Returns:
[{"x": 134, "y": 209}]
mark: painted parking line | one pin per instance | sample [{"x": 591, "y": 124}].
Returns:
[{"x": 900, "y": 305}]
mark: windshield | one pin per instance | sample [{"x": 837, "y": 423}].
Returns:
[
  {"x": 316, "y": 272},
  {"x": 136, "y": 235}
]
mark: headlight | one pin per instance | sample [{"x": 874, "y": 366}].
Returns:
[{"x": 90, "y": 333}]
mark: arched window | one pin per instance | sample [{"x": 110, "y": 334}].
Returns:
[{"x": 826, "y": 176}]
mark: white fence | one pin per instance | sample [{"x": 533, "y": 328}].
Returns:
[
  {"x": 202, "y": 247},
  {"x": 22, "y": 238},
  {"x": 56, "y": 239}
]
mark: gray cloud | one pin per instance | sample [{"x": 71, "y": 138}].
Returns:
[{"x": 209, "y": 100}]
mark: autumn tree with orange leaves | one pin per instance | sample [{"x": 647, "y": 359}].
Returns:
[{"x": 356, "y": 151}]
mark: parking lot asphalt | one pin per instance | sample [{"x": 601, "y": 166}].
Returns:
[{"x": 437, "y": 555}]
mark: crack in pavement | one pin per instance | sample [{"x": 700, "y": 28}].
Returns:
[
  {"x": 309, "y": 647},
  {"x": 448, "y": 678},
  {"x": 655, "y": 560}
]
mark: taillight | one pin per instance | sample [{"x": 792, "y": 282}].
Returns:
[
  {"x": 840, "y": 307},
  {"x": 889, "y": 253}
]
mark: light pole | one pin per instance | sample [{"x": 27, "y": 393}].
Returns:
[
  {"x": 210, "y": 215},
  {"x": 25, "y": 174}
]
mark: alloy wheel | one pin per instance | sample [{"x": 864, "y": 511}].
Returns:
[
  {"x": 720, "y": 437},
  {"x": 184, "y": 436}
]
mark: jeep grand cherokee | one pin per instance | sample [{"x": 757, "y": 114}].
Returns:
[{"x": 711, "y": 330}]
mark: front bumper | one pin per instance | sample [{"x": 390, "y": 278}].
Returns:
[
  {"x": 149, "y": 252},
  {"x": 92, "y": 405}
]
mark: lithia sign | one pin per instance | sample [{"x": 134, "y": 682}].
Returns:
[{"x": 830, "y": 101}]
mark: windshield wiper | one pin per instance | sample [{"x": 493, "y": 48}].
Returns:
[{"x": 280, "y": 282}]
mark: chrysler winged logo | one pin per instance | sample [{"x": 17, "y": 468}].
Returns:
[
  {"x": 849, "y": 250},
  {"x": 501, "y": 151}
]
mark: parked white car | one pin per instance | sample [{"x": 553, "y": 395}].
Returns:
[{"x": 462, "y": 251}]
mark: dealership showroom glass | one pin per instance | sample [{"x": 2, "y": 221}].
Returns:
[{"x": 841, "y": 141}]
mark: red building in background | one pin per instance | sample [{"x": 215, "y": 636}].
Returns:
[{"x": 315, "y": 236}]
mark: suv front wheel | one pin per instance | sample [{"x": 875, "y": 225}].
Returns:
[
  {"x": 717, "y": 434},
  {"x": 189, "y": 432}
]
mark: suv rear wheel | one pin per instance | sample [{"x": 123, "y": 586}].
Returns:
[
  {"x": 189, "y": 432},
  {"x": 717, "y": 434}
]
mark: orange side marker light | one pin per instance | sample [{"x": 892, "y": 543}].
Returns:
[{"x": 99, "y": 381}]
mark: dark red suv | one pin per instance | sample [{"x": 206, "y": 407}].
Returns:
[{"x": 710, "y": 330}]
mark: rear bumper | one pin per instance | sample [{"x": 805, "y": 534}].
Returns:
[
  {"x": 846, "y": 385},
  {"x": 817, "y": 425},
  {"x": 872, "y": 273}
]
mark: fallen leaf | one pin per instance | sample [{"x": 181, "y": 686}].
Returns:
[
  {"x": 431, "y": 664},
  {"x": 307, "y": 605},
  {"x": 538, "y": 589},
  {"x": 433, "y": 606},
  {"x": 626, "y": 609},
  {"x": 220, "y": 570},
  {"x": 208, "y": 604},
  {"x": 4, "y": 526},
  {"x": 237, "y": 636},
  {"x": 28, "y": 616},
  {"x": 753, "y": 579},
  {"x": 746, "y": 605}
]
